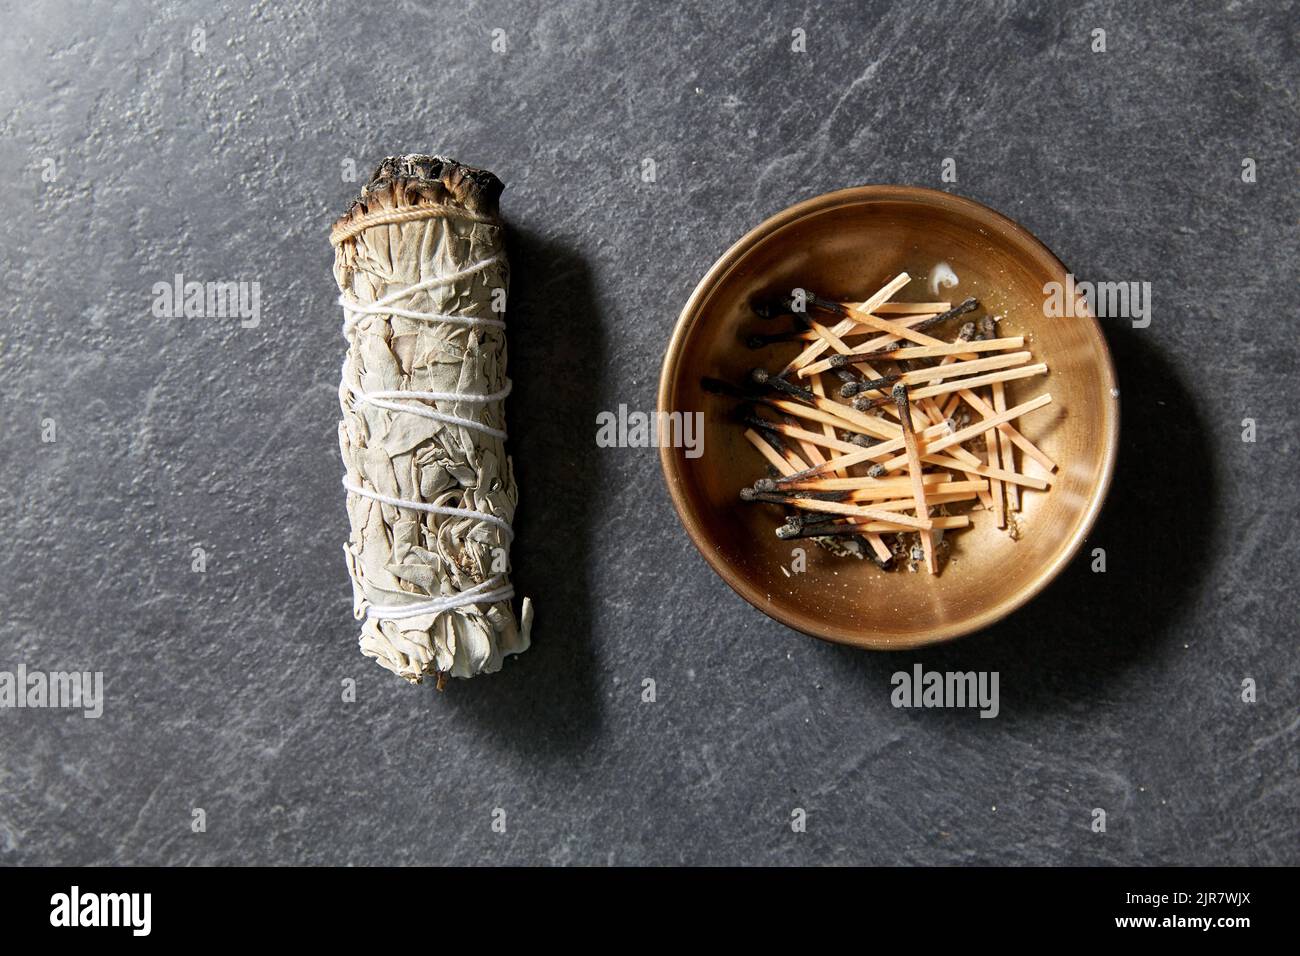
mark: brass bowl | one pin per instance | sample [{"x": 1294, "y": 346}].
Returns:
[{"x": 845, "y": 245}]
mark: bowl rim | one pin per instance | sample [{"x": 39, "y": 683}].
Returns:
[{"x": 672, "y": 468}]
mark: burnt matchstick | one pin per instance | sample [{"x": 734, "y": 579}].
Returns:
[
  {"x": 970, "y": 305},
  {"x": 761, "y": 376},
  {"x": 849, "y": 389},
  {"x": 808, "y": 525},
  {"x": 783, "y": 497},
  {"x": 718, "y": 386},
  {"x": 772, "y": 498},
  {"x": 789, "y": 532},
  {"x": 775, "y": 440},
  {"x": 824, "y": 304},
  {"x": 849, "y": 359},
  {"x": 792, "y": 530},
  {"x": 767, "y": 489},
  {"x": 785, "y": 305}
]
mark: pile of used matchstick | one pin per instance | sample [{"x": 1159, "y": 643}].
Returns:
[{"x": 871, "y": 440}]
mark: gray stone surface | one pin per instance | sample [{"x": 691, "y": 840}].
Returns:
[{"x": 1119, "y": 691}]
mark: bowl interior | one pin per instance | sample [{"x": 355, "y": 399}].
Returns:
[{"x": 845, "y": 246}]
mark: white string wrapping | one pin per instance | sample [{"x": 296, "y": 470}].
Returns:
[{"x": 485, "y": 592}]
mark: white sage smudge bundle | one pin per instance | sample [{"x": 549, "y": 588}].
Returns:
[{"x": 420, "y": 261}]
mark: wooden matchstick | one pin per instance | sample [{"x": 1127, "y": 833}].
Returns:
[
  {"x": 995, "y": 486},
  {"x": 828, "y": 529},
  {"x": 1005, "y": 445},
  {"x": 818, "y": 388},
  {"x": 932, "y": 497},
  {"x": 909, "y": 308},
  {"x": 878, "y": 487},
  {"x": 913, "y": 458},
  {"x": 925, "y": 351},
  {"x": 968, "y": 487},
  {"x": 881, "y": 344},
  {"x": 940, "y": 372},
  {"x": 896, "y": 329},
  {"x": 943, "y": 388}
]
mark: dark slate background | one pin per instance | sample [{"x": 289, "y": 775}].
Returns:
[{"x": 1120, "y": 691}]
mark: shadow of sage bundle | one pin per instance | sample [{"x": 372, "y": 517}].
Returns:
[{"x": 420, "y": 261}]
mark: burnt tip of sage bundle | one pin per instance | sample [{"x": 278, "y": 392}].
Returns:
[{"x": 415, "y": 180}]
